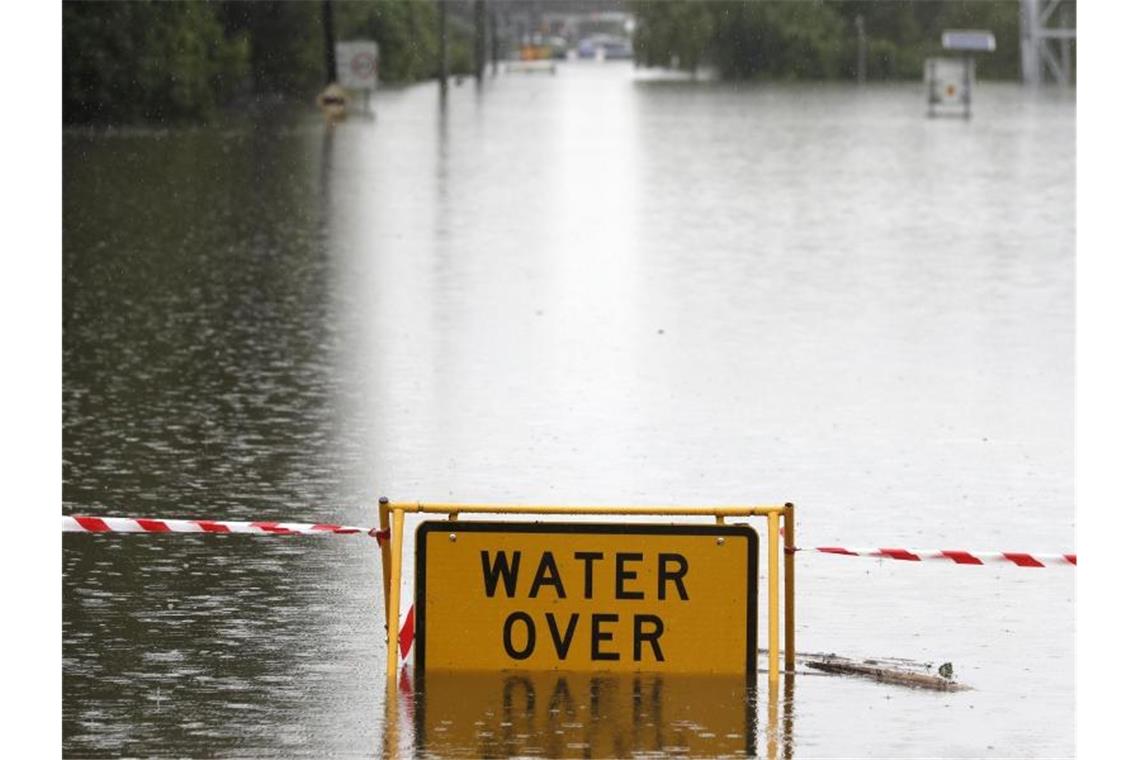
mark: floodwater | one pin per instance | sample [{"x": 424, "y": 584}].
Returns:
[{"x": 597, "y": 287}]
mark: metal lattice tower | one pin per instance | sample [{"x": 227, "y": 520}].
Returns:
[{"x": 1048, "y": 33}]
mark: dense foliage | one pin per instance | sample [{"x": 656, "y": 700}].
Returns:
[
  {"x": 135, "y": 60},
  {"x": 796, "y": 39},
  {"x": 146, "y": 60}
]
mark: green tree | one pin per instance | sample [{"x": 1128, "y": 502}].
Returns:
[
  {"x": 672, "y": 35},
  {"x": 285, "y": 44},
  {"x": 407, "y": 32},
  {"x": 146, "y": 60},
  {"x": 788, "y": 39},
  {"x": 818, "y": 40}
]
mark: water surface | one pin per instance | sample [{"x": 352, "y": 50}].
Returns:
[{"x": 597, "y": 287}]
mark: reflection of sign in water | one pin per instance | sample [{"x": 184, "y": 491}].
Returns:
[
  {"x": 549, "y": 714},
  {"x": 586, "y": 597},
  {"x": 357, "y": 64}
]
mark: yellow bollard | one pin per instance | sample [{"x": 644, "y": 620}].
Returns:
[{"x": 333, "y": 102}]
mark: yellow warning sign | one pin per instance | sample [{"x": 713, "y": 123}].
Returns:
[{"x": 586, "y": 597}]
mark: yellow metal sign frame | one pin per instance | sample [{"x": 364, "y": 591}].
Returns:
[{"x": 392, "y": 520}]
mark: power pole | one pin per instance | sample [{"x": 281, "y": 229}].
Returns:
[
  {"x": 480, "y": 38},
  {"x": 330, "y": 41},
  {"x": 443, "y": 53},
  {"x": 1030, "y": 62},
  {"x": 495, "y": 42},
  {"x": 1066, "y": 48},
  {"x": 1039, "y": 37},
  {"x": 861, "y": 62}
]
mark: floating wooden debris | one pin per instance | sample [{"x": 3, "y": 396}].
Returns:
[{"x": 893, "y": 670}]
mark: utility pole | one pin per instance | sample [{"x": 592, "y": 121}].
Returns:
[
  {"x": 1066, "y": 49},
  {"x": 861, "y": 62},
  {"x": 443, "y": 53},
  {"x": 495, "y": 42},
  {"x": 480, "y": 39},
  {"x": 330, "y": 41},
  {"x": 1041, "y": 27},
  {"x": 1030, "y": 60}
]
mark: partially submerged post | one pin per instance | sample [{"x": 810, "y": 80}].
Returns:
[
  {"x": 494, "y": 42},
  {"x": 332, "y": 100},
  {"x": 330, "y": 35},
  {"x": 480, "y": 39},
  {"x": 443, "y": 52},
  {"x": 950, "y": 81}
]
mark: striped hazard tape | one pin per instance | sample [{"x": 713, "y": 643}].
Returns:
[
  {"x": 958, "y": 557},
  {"x": 85, "y": 524},
  {"x": 89, "y": 524}
]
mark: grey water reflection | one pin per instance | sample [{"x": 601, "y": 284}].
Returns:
[
  {"x": 553, "y": 714},
  {"x": 199, "y": 359}
]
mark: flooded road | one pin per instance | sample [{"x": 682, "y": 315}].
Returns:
[{"x": 598, "y": 287}]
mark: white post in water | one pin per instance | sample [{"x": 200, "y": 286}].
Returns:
[{"x": 1030, "y": 61}]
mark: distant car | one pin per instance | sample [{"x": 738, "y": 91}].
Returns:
[
  {"x": 607, "y": 46},
  {"x": 538, "y": 47}
]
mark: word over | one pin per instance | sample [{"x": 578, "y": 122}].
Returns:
[{"x": 625, "y": 576}]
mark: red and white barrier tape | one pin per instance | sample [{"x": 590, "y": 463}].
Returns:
[
  {"x": 1021, "y": 559},
  {"x": 88, "y": 524},
  {"x": 85, "y": 524}
]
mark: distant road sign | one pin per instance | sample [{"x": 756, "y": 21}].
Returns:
[
  {"x": 586, "y": 597},
  {"x": 357, "y": 64},
  {"x": 969, "y": 40}
]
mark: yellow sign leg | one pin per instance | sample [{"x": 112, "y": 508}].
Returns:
[
  {"x": 789, "y": 588},
  {"x": 385, "y": 553},
  {"x": 397, "y": 552},
  {"x": 773, "y": 597},
  {"x": 773, "y": 706}
]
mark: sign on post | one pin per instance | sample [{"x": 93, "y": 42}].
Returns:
[
  {"x": 581, "y": 597},
  {"x": 949, "y": 83},
  {"x": 357, "y": 64},
  {"x": 969, "y": 40}
]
